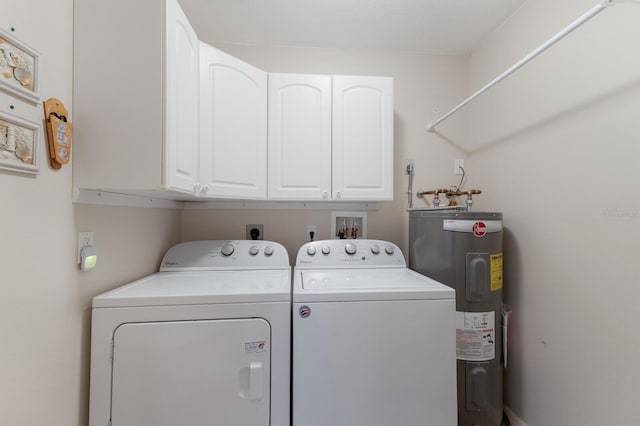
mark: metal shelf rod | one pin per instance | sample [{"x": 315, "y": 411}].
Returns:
[{"x": 544, "y": 46}]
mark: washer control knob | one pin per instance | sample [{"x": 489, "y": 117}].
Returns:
[
  {"x": 389, "y": 250},
  {"x": 350, "y": 248},
  {"x": 326, "y": 249},
  {"x": 253, "y": 250},
  {"x": 375, "y": 249},
  {"x": 311, "y": 250},
  {"x": 228, "y": 249},
  {"x": 268, "y": 250}
]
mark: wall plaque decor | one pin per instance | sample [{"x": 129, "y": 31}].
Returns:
[
  {"x": 59, "y": 132},
  {"x": 19, "y": 65},
  {"x": 19, "y": 140}
]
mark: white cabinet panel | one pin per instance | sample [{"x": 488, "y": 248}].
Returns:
[
  {"x": 135, "y": 97},
  {"x": 330, "y": 137},
  {"x": 192, "y": 373},
  {"x": 299, "y": 137},
  {"x": 233, "y": 127},
  {"x": 362, "y": 138},
  {"x": 181, "y": 100}
]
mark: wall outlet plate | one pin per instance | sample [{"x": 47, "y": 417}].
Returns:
[
  {"x": 85, "y": 239},
  {"x": 255, "y": 232},
  {"x": 310, "y": 229}
]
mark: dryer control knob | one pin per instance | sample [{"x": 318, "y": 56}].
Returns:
[
  {"x": 268, "y": 250},
  {"x": 326, "y": 249},
  {"x": 228, "y": 249},
  {"x": 350, "y": 248},
  {"x": 375, "y": 249},
  {"x": 253, "y": 250},
  {"x": 311, "y": 250},
  {"x": 389, "y": 250}
]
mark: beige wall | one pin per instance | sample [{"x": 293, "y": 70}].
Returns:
[
  {"x": 560, "y": 160},
  {"x": 44, "y": 299},
  {"x": 425, "y": 86}
]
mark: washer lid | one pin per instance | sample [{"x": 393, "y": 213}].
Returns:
[
  {"x": 364, "y": 284},
  {"x": 198, "y": 288}
]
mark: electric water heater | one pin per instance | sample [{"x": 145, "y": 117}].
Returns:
[{"x": 463, "y": 250}]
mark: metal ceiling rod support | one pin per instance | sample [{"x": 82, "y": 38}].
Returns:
[{"x": 544, "y": 46}]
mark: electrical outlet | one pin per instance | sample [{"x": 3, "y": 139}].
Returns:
[
  {"x": 312, "y": 229},
  {"x": 255, "y": 232},
  {"x": 85, "y": 239},
  {"x": 458, "y": 165}
]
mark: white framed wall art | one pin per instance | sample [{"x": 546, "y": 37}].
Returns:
[
  {"x": 19, "y": 141},
  {"x": 19, "y": 66}
]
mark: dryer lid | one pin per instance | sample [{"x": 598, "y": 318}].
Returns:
[
  {"x": 200, "y": 287},
  {"x": 364, "y": 284}
]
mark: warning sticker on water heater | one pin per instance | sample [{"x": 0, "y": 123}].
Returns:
[
  {"x": 475, "y": 336},
  {"x": 496, "y": 272}
]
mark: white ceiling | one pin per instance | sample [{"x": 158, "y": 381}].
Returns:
[{"x": 428, "y": 26}]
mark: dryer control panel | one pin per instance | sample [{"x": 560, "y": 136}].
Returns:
[
  {"x": 349, "y": 254},
  {"x": 225, "y": 254}
]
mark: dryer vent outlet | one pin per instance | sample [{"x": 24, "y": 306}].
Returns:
[{"x": 255, "y": 232}]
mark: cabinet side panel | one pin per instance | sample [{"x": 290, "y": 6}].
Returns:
[
  {"x": 118, "y": 96},
  {"x": 181, "y": 100}
]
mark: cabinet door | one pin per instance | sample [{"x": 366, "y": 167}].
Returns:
[
  {"x": 181, "y": 101},
  {"x": 233, "y": 127},
  {"x": 299, "y": 137},
  {"x": 362, "y": 165}
]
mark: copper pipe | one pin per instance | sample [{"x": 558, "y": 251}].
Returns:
[
  {"x": 435, "y": 192},
  {"x": 450, "y": 193}
]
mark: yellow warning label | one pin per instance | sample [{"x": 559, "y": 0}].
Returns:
[{"x": 496, "y": 272}]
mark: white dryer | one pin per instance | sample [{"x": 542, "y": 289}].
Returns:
[
  {"x": 374, "y": 343},
  {"x": 205, "y": 341}
]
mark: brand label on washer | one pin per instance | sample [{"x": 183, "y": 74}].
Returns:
[
  {"x": 255, "y": 347},
  {"x": 304, "y": 311},
  {"x": 475, "y": 336}
]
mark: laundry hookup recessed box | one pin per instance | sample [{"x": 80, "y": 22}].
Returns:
[{"x": 345, "y": 225}]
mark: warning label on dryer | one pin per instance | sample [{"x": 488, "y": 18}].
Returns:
[
  {"x": 475, "y": 336},
  {"x": 255, "y": 347}
]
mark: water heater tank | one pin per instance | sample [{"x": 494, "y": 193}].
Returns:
[{"x": 464, "y": 250}]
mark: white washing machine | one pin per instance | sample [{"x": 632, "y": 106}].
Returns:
[
  {"x": 374, "y": 343},
  {"x": 205, "y": 341}
]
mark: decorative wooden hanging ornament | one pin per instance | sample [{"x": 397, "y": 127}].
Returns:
[{"x": 59, "y": 132}]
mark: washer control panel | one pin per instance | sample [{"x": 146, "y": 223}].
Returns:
[
  {"x": 349, "y": 254},
  {"x": 225, "y": 254}
]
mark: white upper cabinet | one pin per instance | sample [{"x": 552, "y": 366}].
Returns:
[
  {"x": 135, "y": 97},
  {"x": 181, "y": 118},
  {"x": 233, "y": 127},
  {"x": 158, "y": 113},
  {"x": 330, "y": 138},
  {"x": 299, "y": 137},
  {"x": 362, "y": 154}
]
